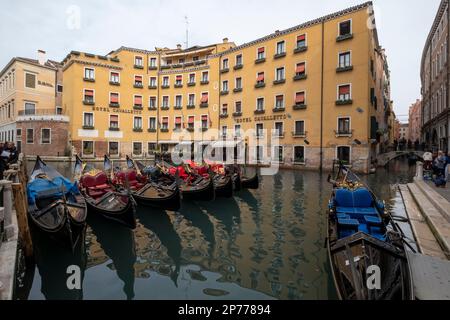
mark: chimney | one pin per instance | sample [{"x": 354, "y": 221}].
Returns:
[
  {"x": 225, "y": 40},
  {"x": 179, "y": 46},
  {"x": 42, "y": 57}
]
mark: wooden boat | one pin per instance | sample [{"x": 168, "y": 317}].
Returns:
[
  {"x": 55, "y": 205},
  {"x": 103, "y": 198},
  {"x": 364, "y": 244},
  {"x": 250, "y": 182},
  {"x": 145, "y": 191},
  {"x": 223, "y": 180}
]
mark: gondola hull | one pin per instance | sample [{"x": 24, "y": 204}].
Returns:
[
  {"x": 250, "y": 183},
  {"x": 223, "y": 186},
  {"x": 203, "y": 191},
  {"x": 168, "y": 200},
  {"x": 237, "y": 182}
]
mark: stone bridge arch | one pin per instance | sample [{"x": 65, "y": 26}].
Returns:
[{"x": 384, "y": 158}]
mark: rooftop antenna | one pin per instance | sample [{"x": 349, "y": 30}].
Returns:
[{"x": 187, "y": 31}]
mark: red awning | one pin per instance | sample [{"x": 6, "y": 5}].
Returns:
[
  {"x": 89, "y": 93},
  {"x": 138, "y": 100},
  {"x": 177, "y": 120},
  {"x": 279, "y": 98},
  {"x": 191, "y": 119},
  {"x": 260, "y": 50},
  {"x": 300, "y": 68},
  {"x": 300, "y": 97},
  {"x": 204, "y": 98},
  {"x": 114, "y": 98},
  {"x": 260, "y": 76},
  {"x": 344, "y": 89},
  {"x": 179, "y": 78},
  {"x": 138, "y": 78},
  {"x": 165, "y": 120},
  {"x": 301, "y": 38},
  {"x": 204, "y": 118},
  {"x": 114, "y": 74}
]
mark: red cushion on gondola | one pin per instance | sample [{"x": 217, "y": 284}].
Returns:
[
  {"x": 101, "y": 179},
  {"x": 88, "y": 181},
  {"x": 132, "y": 175}
]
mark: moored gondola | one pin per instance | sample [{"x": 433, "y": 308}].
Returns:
[
  {"x": 55, "y": 205},
  {"x": 250, "y": 182},
  {"x": 103, "y": 198},
  {"x": 365, "y": 246},
  {"x": 223, "y": 180}
]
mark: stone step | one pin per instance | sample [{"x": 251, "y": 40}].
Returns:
[
  {"x": 436, "y": 221},
  {"x": 426, "y": 241},
  {"x": 435, "y": 198}
]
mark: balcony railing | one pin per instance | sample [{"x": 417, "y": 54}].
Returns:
[
  {"x": 299, "y": 134},
  {"x": 343, "y": 133},
  {"x": 40, "y": 112}
]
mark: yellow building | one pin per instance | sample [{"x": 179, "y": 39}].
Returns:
[{"x": 300, "y": 97}]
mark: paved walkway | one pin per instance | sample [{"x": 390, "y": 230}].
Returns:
[{"x": 445, "y": 192}]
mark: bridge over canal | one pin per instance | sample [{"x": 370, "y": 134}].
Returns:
[{"x": 385, "y": 158}]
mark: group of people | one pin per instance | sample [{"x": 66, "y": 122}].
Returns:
[
  {"x": 439, "y": 164},
  {"x": 8, "y": 155}
]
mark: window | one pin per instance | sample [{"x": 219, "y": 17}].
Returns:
[
  {"x": 279, "y": 129},
  {"x": 259, "y": 153},
  {"x": 114, "y": 77},
  {"x": 138, "y": 81},
  {"x": 114, "y": 121},
  {"x": 205, "y": 98},
  {"x": 138, "y": 101},
  {"x": 238, "y": 83},
  {"x": 205, "y": 76},
  {"x": 138, "y": 62},
  {"x": 301, "y": 41},
  {"x": 344, "y": 60},
  {"x": 179, "y": 80},
  {"x": 181, "y": 61},
  {"x": 299, "y": 128},
  {"x": 88, "y": 148},
  {"x": 300, "y": 69},
  {"x": 191, "y": 121},
  {"x": 225, "y": 86},
  {"x": 114, "y": 98},
  {"x": 152, "y": 103},
  {"x": 165, "y": 102},
  {"x": 89, "y": 74},
  {"x": 281, "y": 47},
  {"x": 225, "y": 64},
  {"x": 204, "y": 121},
  {"x": 259, "y": 129},
  {"x": 239, "y": 60},
  {"x": 151, "y": 147},
  {"x": 30, "y": 108},
  {"x": 224, "y": 109},
  {"x": 88, "y": 119},
  {"x": 238, "y": 107},
  {"x": 192, "y": 78},
  {"x": 152, "y": 82},
  {"x": 191, "y": 99},
  {"x": 152, "y": 123},
  {"x": 178, "y": 123},
  {"x": 299, "y": 154},
  {"x": 224, "y": 131},
  {"x": 278, "y": 153},
  {"x": 260, "y": 104},
  {"x": 178, "y": 101},
  {"x": 345, "y": 28},
  {"x": 19, "y": 133},
  {"x": 279, "y": 102},
  {"x": 59, "y": 88},
  {"x": 343, "y": 154},
  {"x": 113, "y": 148},
  {"x": 165, "y": 123},
  {"x": 152, "y": 62},
  {"x": 30, "y": 136},
  {"x": 344, "y": 92},
  {"x": 261, "y": 53},
  {"x": 280, "y": 74},
  {"x": 137, "y": 123},
  {"x": 300, "y": 98},
  {"x": 165, "y": 82},
  {"x": 195, "y": 58},
  {"x": 237, "y": 130},
  {"x": 260, "y": 78},
  {"x": 344, "y": 126},
  {"x": 45, "y": 136},
  {"x": 30, "y": 80},
  {"x": 137, "y": 148}
]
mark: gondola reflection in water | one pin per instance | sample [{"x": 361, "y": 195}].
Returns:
[{"x": 365, "y": 246}]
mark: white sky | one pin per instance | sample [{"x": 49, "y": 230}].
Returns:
[{"x": 28, "y": 25}]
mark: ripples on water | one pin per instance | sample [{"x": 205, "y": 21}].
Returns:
[{"x": 262, "y": 244}]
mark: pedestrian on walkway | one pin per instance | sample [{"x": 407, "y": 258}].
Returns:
[
  {"x": 439, "y": 164},
  {"x": 447, "y": 168}
]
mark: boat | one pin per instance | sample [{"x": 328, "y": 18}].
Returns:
[
  {"x": 145, "y": 191},
  {"x": 55, "y": 205},
  {"x": 365, "y": 246},
  {"x": 222, "y": 177},
  {"x": 250, "y": 182},
  {"x": 103, "y": 198}
]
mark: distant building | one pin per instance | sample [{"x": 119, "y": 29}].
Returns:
[
  {"x": 434, "y": 74},
  {"x": 415, "y": 121},
  {"x": 403, "y": 131}
]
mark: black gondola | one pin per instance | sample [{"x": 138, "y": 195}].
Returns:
[
  {"x": 362, "y": 239},
  {"x": 103, "y": 198},
  {"x": 251, "y": 182},
  {"x": 55, "y": 205},
  {"x": 147, "y": 192},
  {"x": 223, "y": 185}
]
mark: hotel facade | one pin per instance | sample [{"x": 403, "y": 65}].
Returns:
[{"x": 300, "y": 97}]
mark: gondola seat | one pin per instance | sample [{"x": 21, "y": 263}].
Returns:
[
  {"x": 357, "y": 204},
  {"x": 348, "y": 227},
  {"x": 96, "y": 186}
]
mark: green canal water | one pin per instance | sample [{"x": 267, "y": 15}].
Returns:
[{"x": 261, "y": 244}]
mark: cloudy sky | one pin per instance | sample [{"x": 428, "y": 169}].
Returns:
[{"x": 28, "y": 25}]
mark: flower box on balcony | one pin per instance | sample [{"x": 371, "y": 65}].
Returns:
[
  {"x": 88, "y": 127},
  {"x": 260, "y": 85},
  {"x": 165, "y": 67},
  {"x": 138, "y": 86},
  {"x": 258, "y": 61},
  {"x": 199, "y": 62},
  {"x": 114, "y": 59},
  {"x": 279, "y": 55},
  {"x": 344, "y": 37},
  {"x": 237, "y": 114},
  {"x": 138, "y": 107},
  {"x": 152, "y": 108},
  {"x": 114, "y": 129},
  {"x": 344, "y": 69},
  {"x": 344, "y": 102},
  {"x": 164, "y": 129},
  {"x": 299, "y": 106},
  {"x": 88, "y": 79},
  {"x": 165, "y": 86},
  {"x": 204, "y": 105},
  {"x": 236, "y": 90},
  {"x": 191, "y": 84},
  {"x": 153, "y": 68},
  {"x": 224, "y": 115},
  {"x": 165, "y": 107},
  {"x": 224, "y": 93},
  {"x": 137, "y": 66},
  {"x": 178, "y": 107},
  {"x": 281, "y": 81},
  {"x": 279, "y": 109},
  {"x": 190, "y": 129},
  {"x": 300, "y": 77},
  {"x": 137, "y": 130},
  {"x": 152, "y": 87},
  {"x": 151, "y": 130},
  {"x": 178, "y": 86},
  {"x": 225, "y": 70},
  {"x": 88, "y": 103},
  {"x": 238, "y": 66},
  {"x": 204, "y": 82},
  {"x": 188, "y": 64},
  {"x": 114, "y": 83},
  {"x": 114, "y": 105},
  {"x": 260, "y": 111},
  {"x": 190, "y": 106},
  {"x": 177, "y": 66},
  {"x": 300, "y": 49}
]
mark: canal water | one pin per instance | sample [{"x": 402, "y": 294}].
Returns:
[{"x": 262, "y": 244}]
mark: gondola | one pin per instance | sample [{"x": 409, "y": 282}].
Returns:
[
  {"x": 55, "y": 205},
  {"x": 145, "y": 191},
  {"x": 363, "y": 238},
  {"x": 103, "y": 198},
  {"x": 250, "y": 182},
  {"x": 223, "y": 180}
]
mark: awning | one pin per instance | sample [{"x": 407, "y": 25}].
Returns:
[
  {"x": 300, "y": 68},
  {"x": 185, "y": 143},
  {"x": 226, "y": 144},
  {"x": 260, "y": 76}
]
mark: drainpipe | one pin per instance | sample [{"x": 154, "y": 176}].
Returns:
[
  {"x": 158, "y": 83},
  {"x": 321, "y": 97}
]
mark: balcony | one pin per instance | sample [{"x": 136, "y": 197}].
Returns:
[
  {"x": 225, "y": 70},
  {"x": 237, "y": 114},
  {"x": 300, "y": 49},
  {"x": 114, "y": 129},
  {"x": 86, "y": 127},
  {"x": 299, "y": 134},
  {"x": 177, "y": 66},
  {"x": 152, "y": 87},
  {"x": 114, "y": 83},
  {"x": 190, "y": 129},
  {"x": 138, "y": 85},
  {"x": 114, "y": 105},
  {"x": 237, "y": 90},
  {"x": 258, "y": 61},
  {"x": 279, "y": 55},
  {"x": 299, "y": 77},
  {"x": 89, "y": 79},
  {"x": 279, "y": 109},
  {"x": 138, "y": 107},
  {"x": 178, "y": 85},
  {"x": 260, "y": 85},
  {"x": 165, "y": 67},
  {"x": 299, "y": 106},
  {"x": 280, "y": 81},
  {"x": 165, "y": 86},
  {"x": 137, "y": 130},
  {"x": 191, "y": 84},
  {"x": 344, "y": 37},
  {"x": 41, "y": 115},
  {"x": 151, "y": 130},
  {"x": 164, "y": 129},
  {"x": 88, "y": 102},
  {"x": 343, "y": 133},
  {"x": 152, "y": 108},
  {"x": 223, "y": 115},
  {"x": 178, "y": 107},
  {"x": 204, "y": 105},
  {"x": 224, "y": 92},
  {"x": 344, "y": 69},
  {"x": 344, "y": 102},
  {"x": 205, "y": 129},
  {"x": 165, "y": 107},
  {"x": 152, "y": 68},
  {"x": 259, "y": 111},
  {"x": 190, "y": 106},
  {"x": 238, "y": 66},
  {"x": 204, "y": 82}
]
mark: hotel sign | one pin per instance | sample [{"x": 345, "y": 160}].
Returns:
[
  {"x": 261, "y": 118},
  {"x": 117, "y": 110}
]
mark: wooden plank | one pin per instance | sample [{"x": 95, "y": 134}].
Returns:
[{"x": 21, "y": 205}]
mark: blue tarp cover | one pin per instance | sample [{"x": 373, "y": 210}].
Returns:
[{"x": 44, "y": 188}]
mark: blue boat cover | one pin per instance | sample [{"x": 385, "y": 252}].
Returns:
[{"x": 45, "y": 188}]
